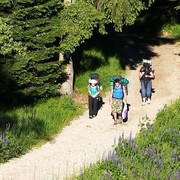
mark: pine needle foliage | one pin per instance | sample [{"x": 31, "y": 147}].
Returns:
[{"x": 37, "y": 71}]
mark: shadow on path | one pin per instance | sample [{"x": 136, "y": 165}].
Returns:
[
  {"x": 130, "y": 47},
  {"x": 133, "y": 47}
]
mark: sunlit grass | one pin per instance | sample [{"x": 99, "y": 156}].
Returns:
[
  {"x": 105, "y": 71},
  {"x": 173, "y": 30}
]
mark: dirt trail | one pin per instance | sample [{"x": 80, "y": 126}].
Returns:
[{"x": 86, "y": 141}]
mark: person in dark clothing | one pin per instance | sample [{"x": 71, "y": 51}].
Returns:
[
  {"x": 93, "y": 98},
  {"x": 146, "y": 75}
]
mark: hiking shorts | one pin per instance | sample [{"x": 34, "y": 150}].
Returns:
[{"x": 117, "y": 105}]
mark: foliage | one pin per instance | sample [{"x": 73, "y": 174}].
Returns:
[
  {"x": 74, "y": 24},
  {"x": 120, "y": 12},
  {"x": 26, "y": 127},
  {"x": 7, "y": 43},
  {"x": 36, "y": 72},
  {"x": 153, "y": 154},
  {"x": 173, "y": 30}
]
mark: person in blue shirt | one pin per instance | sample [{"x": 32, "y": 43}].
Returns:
[
  {"x": 117, "y": 96},
  {"x": 93, "y": 97}
]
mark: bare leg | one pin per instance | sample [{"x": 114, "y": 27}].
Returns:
[{"x": 115, "y": 118}]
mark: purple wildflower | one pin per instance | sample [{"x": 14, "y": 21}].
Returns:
[
  {"x": 119, "y": 141},
  {"x": 148, "y": 173},
  {"x": 114, "y": 140},
  {"x": 4, "y": 138},
  {"x": 152, "y": 160},
  {"x": 124, "y": 170},
  {"x": 107, "y": 176},
  {"x": 130, "y": 137},
  {"x": 123, "y": 135},
  {"x": 159, "y": 163},
  {"x": 115, "y": 159},
  {"x": 177, "y": 175},
  {"x": 142, "y": 152},
  {"x": 109, "y": 155}
]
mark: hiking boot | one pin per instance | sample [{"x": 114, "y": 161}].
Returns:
[
  {"x": 90, "y": 117},
  {"x": 115, "y": 122},
  {"x": 149, "y": 101},
  {"x": 119, "y": 121}
]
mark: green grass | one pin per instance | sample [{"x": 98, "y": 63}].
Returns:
[
  {"x": 112, "y": 67},
  {"x": 153, "y": 154},
  {"x": 173, "y": 30},
  {"x": 29, "y": 126}
]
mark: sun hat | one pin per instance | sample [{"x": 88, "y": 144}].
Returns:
[{"x": 93, "y": 81}]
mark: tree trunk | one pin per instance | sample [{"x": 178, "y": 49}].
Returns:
[{"x": 67, "y": 86}]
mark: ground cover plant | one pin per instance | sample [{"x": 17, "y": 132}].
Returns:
[
  {"x": 153, "y": 154},
  {"x": 22, "y": 128}
]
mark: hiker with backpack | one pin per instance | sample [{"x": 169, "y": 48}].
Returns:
[
  {"x": 146, "y": 75},
  {"x": 93, "y": 97},
  {"x": 118, "y": 95}
]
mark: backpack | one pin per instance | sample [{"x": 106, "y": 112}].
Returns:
[
  {"x": 96, "y": 77},
  {"x": 123, "y": 81}
]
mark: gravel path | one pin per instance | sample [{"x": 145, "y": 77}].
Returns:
[{"x": 85, "y": 141}]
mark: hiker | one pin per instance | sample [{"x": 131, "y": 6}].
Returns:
[
  {"x": 117, "y": 96},
  {"x": 146, "y": 75},
  {"x": 93, "y": 97}
]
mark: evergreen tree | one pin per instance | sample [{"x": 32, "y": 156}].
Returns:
[
  {"x": 36, "y": 71},
  {"x": 35, "y": 32}
]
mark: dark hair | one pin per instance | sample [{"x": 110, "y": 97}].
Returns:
[
  {"x": 116, "y": 80},
  {"x": 143, "y": 69},
  {"x": 146, "y": 65}
]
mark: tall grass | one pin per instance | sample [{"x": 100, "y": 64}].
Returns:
[
  {"x": 173, "y": 30},
  {"x": 153, "y": 154},
  {"x": 110, "y": 68},
  {"x": 25, "y": 127}
]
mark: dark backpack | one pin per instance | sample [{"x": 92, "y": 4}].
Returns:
[{"x": 96, "y": 77}]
